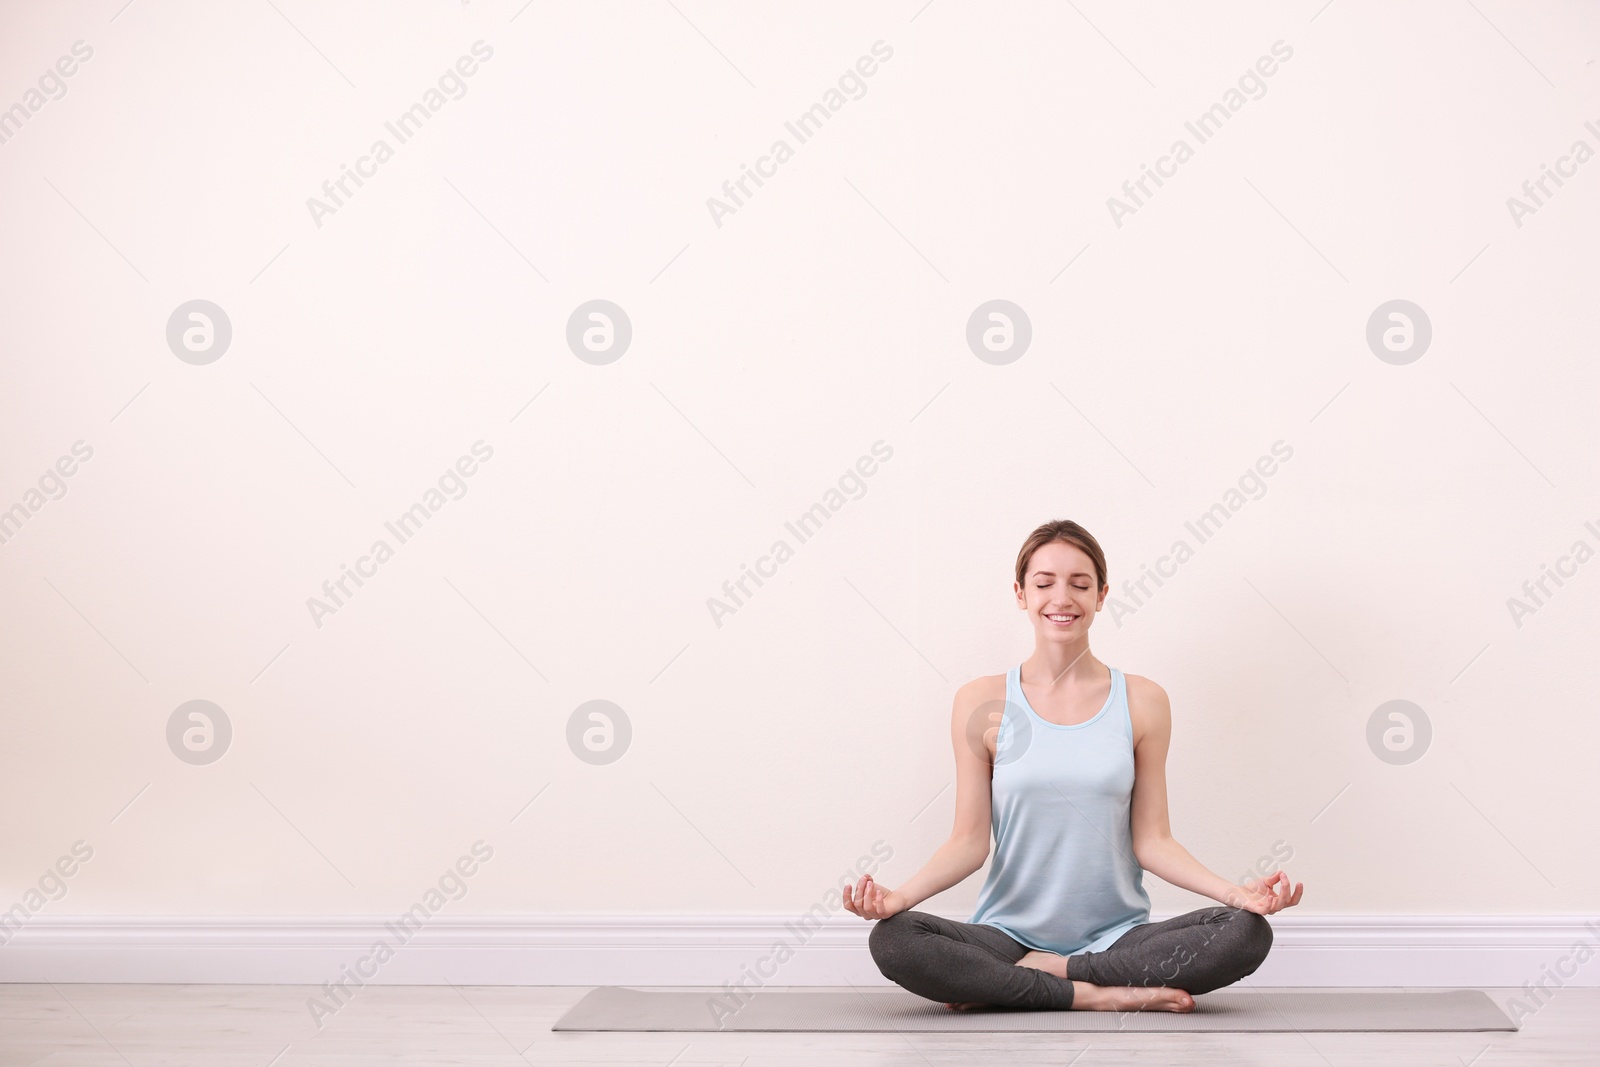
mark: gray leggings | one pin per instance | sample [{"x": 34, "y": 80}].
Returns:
[{"x": 956, "y": 962}]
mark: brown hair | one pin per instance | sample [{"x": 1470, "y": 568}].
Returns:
[{"x": 1073, "y": 534}]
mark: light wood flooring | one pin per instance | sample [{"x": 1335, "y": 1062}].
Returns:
[{"x": 270, "y": 1026}]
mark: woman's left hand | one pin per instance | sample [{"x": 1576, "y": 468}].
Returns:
[{"x": 1264, "y": 897}]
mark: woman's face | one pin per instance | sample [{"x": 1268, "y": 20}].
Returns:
[{"x": 1060, "y": 582}]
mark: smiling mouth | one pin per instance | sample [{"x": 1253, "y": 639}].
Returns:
[{"x": 1063, "y": 620}]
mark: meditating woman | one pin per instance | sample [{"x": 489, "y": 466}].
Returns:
[{"x": 1070, "y": 757}]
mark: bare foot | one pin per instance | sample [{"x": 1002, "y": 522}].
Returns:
[
  {"x": 1086, "y": 997},
  {"x": 1048, "y": 962},
  {"x": 1089, "y": 997}
]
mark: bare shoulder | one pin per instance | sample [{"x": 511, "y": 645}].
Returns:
[
  {"x": 989, "y": 684},
  {"x": 1144, "y": 689},
  {"x": 971, "y": 699},
  {"x": 1148, "y": 706},
  {"x": 981, "y": 690}
]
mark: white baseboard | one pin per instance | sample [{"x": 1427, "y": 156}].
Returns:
[{"x": 710, "y": 950}]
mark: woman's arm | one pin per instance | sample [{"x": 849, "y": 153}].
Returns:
[
  {"x": 974, "y": 721},
  {"x": 1153, "y": 843},
  {"x": 952, "y": 863}
]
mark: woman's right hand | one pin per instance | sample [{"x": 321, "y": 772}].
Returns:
[{"x": 872, "y": 901}]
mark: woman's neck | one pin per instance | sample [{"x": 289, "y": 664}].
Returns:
[{"x": 1053, "y": 666}]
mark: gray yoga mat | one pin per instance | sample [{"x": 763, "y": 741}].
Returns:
[{"x": 890, "y": 1010}]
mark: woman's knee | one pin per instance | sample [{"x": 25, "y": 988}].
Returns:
[
  {"x": 1255, "y": 937},
  {"x": 888, "y": 941}
]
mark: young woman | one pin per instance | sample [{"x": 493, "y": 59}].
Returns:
[{"x": 1070, "y": 757}]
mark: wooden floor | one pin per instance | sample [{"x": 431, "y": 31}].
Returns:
[{"x": 271, "y": 1026}]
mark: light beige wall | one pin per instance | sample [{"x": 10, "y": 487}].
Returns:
[{"x": 769, "y": 354}]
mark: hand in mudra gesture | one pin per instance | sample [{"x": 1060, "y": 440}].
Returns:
[
  {"x": 1265, "y": 897},
  {"x": 871, "y": 901}
]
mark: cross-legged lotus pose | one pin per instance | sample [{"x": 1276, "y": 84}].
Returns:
[{"x": 1066, "y": 758}]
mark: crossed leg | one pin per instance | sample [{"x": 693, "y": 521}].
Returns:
[{"x": 964, "y": 964}]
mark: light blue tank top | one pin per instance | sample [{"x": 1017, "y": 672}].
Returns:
[{"x": 1063, "y": 878}]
